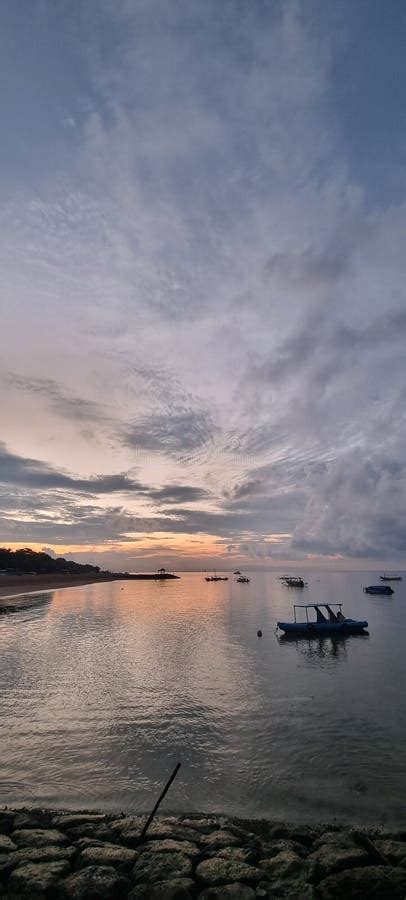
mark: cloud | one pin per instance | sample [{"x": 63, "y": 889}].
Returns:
[
  {"x": 199, "y": 271},
  {"x": 178, "y": 493},
  {"x": 63, "y": 404},
  {"x": 181, "y": 430},
  {"x": 36, "y": 474},
  {"x": 356, "y": 507}
]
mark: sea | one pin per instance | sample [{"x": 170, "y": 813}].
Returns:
[{"x": 106, "y": 687}]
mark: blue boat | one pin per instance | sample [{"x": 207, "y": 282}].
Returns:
[
  {"x": 378, "y": 589},
  {"x": 328, "y": 622}
]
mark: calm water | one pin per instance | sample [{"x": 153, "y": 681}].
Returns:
[{"x": 106, "y": 687}]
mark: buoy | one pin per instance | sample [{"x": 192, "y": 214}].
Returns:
[{"x": 259, "y": 633}]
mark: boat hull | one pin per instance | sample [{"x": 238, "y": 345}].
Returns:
[
  {"x": 378, "y": 589},
  {"x": 349, "y": 626}
]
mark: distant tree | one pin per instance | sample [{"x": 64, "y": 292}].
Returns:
[{"x": 27, "y": 560}]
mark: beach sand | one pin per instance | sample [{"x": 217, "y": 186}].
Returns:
[{"x": 13, "y": 585}]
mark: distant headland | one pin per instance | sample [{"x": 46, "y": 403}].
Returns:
[{"x": 26, "y": 570}]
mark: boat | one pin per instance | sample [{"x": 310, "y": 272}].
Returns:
[
  {"x": 243, "y": 579},
  {"x": 237, "y": 572},
  {"x": 293, "y": 581},
  {"x": 378, "y": 589},
  {"x": 216, "y": 577},
  {"x": 332, "y": 623},
  {"x": 387, "y": 577}
]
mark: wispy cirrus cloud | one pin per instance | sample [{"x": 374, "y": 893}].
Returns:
[{"x": 198, "y": 265}]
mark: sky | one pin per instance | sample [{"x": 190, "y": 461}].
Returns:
[{"x": 202, "y": 248}]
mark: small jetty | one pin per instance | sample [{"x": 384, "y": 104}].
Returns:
[{"x": 160, "y": 575}]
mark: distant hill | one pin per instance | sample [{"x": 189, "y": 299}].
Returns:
[{"x": 28, "y": 561}]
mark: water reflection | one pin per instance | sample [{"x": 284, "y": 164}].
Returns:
[
  {"x": 324, "y": 649},
  {"x": 25, "y": 602},
  {"x": 106, "y": 687}
]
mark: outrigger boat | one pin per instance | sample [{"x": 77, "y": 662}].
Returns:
[
  {"x": 386, "y": 577},
  {"x": 378, "y": 589},
  {"x": 293, "y": 581},
  {"x": 216, "y": 577},
  {"x": 333, "y": 623}
]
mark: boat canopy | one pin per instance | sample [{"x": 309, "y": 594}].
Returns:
[{"x": 332, "y": 616}]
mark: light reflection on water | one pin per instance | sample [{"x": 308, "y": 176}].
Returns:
[{"x": 106, "y": 687}]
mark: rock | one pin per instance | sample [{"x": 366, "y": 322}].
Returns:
[
  {"x": 219, "y": 839},
  {"x": 34, "y": 879},
  {"x": 328, "y": 859},
  {"x": 6, "y": 821},
  {"x": 304, "y": 834},
  {"x": 371, "y": 882},
  {"x": 38, "y": 837},
  {"x": 107, "y": 855},
  {"x": 293, "y": 891},
  {"x": 239, "y": 854},
  {"x": 394, "y": 851},
  {"x": 222, "y": 871},
  {"x": 128, "y": 823},
  {"x": 35, "y": 818},
  {"x": 206, "y": 824},
  {"x": 169, "y": 846},
  {"x": 399, "y": 835},
  {"x": 161, "y": 830},
  {"x": 6, "y": 844},
  {"x": 72, "y": 821},
  {"x": 236, "y": 891},
  {"x": 34, "y": 854},
  {"x": 176, "y": 889},
  {"x": 343, "y": 838},
  {"x": 129, "y": 838},
  {"x": 152, "y": 867},
  {"x": 285, "y": 865},
  {"x": 85, "y": 842},
  {"x": 274, "y": 847},
  {"x": 101, "y": 882},
  {"x": 101, "y": 832}
]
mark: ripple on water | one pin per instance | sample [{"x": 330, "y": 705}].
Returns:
[{"x": 106, "y": 687}]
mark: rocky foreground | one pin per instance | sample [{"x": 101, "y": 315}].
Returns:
[{"x": 100, "y": 857}]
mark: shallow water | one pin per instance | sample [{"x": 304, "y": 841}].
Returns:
[{"x": 106, "y": 687}]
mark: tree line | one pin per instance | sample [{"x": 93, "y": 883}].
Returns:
[{"x": 27, "y": 560}]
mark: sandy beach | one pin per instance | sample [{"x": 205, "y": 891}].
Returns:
[{"x": 13, "y": 585}]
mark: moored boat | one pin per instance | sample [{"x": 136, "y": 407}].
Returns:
[
  {"x": 293, "y": 581},
  {"x": 387, "y": 577},
  {"x": 332, "y": 623},
  {"x": 243, "y": 579},
  {"x": 216, "y": 577},
  {"x": 378, "y": 589}
]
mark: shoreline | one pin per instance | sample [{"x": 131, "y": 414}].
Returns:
[
  {"x": 17, "y": 585},
  {"x": 76, "y": 855}
]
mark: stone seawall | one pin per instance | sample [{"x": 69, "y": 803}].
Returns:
[{"x": 86, "y": 856}]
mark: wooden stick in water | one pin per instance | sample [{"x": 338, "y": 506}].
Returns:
[{"x": 159, "y": 801}]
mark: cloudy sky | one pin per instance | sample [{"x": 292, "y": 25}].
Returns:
[{"x": 203, "y": 317}]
